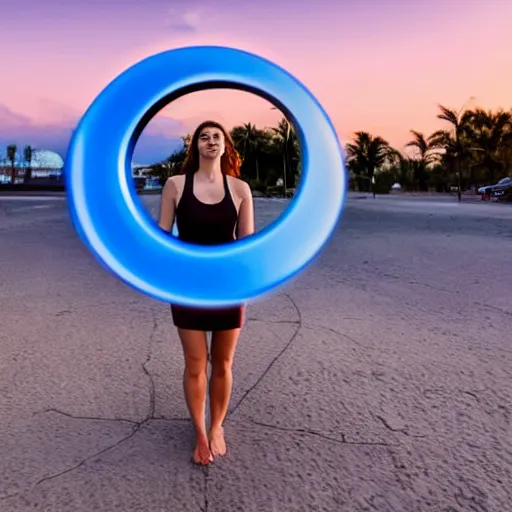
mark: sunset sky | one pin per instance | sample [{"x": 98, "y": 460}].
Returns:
[{"x": 376, "y": 65}]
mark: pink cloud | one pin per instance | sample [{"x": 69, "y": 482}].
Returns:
[
  {"x": 52, "y": 111},
  {"x": 21, "y": 130},
  {"x": 12, "y": 119},
  {"x": 53, "y": 131}
]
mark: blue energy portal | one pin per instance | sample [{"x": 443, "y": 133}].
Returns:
[{"x": 113, "y": 224}]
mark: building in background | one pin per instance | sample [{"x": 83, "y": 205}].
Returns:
[{"x": 45, "y": 165}]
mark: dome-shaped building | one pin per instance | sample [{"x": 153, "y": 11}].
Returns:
[
  {"x": 46, "y": 159},
  {"x": 44, "y": 164}
]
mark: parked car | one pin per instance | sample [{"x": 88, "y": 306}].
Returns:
[
  {"x": 503, "y": 191},
  {"x": 487, "y": 190}
]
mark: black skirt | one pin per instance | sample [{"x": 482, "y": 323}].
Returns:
[{"x": 209, "y": 320}]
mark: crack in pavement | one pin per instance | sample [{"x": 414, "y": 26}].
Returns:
[
  {"x": 315, "y": 433},
  {"x": 206, "y": 473},
  {"x": 298, "y": 323},
  {"x": 494, "y": 308},
  {"x": 72, "y": 310},
  {"x": 403, "y": 430},
  {"x": 90, "y": 457},
  {"x": 471, "y": 394},
  {"x": 152, "y": 392},
  {"x": 483, "y": 305},
  {"x": 378, "y": 273},
  {"x": 152, "y": 399},
  {"x": 338, "y": 333},
  {"x": 64, "y": 312},
  {"x": 432, "y": 287},
  {"x": 136, "y": 425},
  {"x": 255, "y": 319},
  {"x": 7, "y": 496},
  {"x": 430, "y": 393},
  {"x": 274, "y": 360},
  {"x": 91, "y": 418}
]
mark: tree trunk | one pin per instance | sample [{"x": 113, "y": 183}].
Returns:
[
  {"x": 28, "y": 174},
  {"x": 284, "y": 175}
]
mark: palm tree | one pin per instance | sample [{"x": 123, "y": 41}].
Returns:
[
  {"x": 11, "y": 155},
  {"x": 505, "y": 151},
  {"x": 176, "y": 160},
  {"x": 247, "y": 140},
  {"x": 490, "y": 134},
  {"x": 296, "y": 156},
  {"x": 28, "y": 153},
  {"x": 290, "y": 148},
  {"x": 455, "y": 141},
  {"x": 368, "y": 154},
  {"x": 423, "y": 146},
  {"x": 425, "y": 156},
  {"x": 173, "y": 164}
]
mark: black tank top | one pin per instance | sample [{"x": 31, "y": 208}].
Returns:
[{"x": 202, "y": 223}]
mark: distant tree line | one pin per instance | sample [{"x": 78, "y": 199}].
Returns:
[
  {"x": 270, "y": 156},
  {"x": 474, "y": 148},
  {"x": 28, "y": 153}
]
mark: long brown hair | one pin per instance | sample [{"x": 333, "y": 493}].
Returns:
[{"x": 230, "y": 161}]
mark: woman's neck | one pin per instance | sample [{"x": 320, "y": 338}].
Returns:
[{"x": 210, "y": 169}]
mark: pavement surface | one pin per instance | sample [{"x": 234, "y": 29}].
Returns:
[{"x": 380, "y": 379}]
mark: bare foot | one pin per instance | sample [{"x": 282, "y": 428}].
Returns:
[
  {"x": 217, "y": 442},
  {"x": 202, "y": 453}
]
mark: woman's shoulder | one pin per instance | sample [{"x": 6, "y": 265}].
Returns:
[
  {"x": 241, "y": 187},
  {"x": 174, "y": 184},
  {"x": 176, "y": 179}
]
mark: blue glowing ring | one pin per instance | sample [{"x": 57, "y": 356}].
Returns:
[{"x": 113, "y": 223}]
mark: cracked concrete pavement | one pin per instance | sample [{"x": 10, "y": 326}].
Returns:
[{"x": 379, "y": 379}]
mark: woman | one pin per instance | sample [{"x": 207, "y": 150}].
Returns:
[{"x": 210, "y": 206}]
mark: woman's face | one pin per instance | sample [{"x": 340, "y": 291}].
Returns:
[{"x": 211, "y": 143}]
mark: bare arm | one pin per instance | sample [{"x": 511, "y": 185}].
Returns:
[
  {"x": 168, "y": 205},
  {"x": 246, "y": 213}
]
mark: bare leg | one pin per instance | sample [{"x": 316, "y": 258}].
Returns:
[
  {"x": 195, "y": 351},
  {"x": 221, "y": 382}
]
